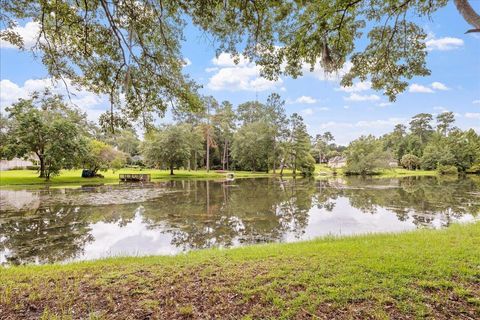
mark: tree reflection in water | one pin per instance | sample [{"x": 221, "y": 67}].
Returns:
[{"x": 58, "y": 225}]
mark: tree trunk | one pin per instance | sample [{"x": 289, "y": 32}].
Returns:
[
  {"x": 227, "y": 156},
  {"x": 42, "y": 165},
  {"x": 467, "y": 12},
  {"x": 112, "y": 120},
  {"x": 294, "y": 165},
  {"x": 224, "y": 154},
  {"x": 282, "y": 162},
  {"x": 274, "y": 155},
  {"x": 208, "y": 137},
  {"x": 171, "y": 170},
  {"x": 208, "y": 150}
]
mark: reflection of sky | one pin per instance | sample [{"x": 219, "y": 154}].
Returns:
[
  {"x": 347, "y": 220},
  {"x": 3, "y": 254},
  {"x": 135, "y": 238}
]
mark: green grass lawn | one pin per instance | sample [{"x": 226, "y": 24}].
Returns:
[
  {"x": 325, "y": 171},
  {"x": 73, "y": 177},
  {"x": 422, "y": 274},
  {"x": 30, "y": 177}
]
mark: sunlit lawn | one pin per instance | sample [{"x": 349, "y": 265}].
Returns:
[
  {"x": 324, "y": 170},
  {"x": 30, "y": 177},
  {"x": 20, "y": 177}
]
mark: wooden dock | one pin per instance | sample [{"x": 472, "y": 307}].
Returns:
[{"x": 134, "y": 177}]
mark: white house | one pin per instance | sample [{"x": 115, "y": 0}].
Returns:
[
  {"x": 337, "y": 162},
  {"x": 15, "y": 163}
]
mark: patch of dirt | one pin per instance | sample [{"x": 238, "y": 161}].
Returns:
[{"x": 200, "y": 292}]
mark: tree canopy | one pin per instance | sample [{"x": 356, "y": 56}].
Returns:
[
  {"x": 131, "y": 49},
  {"x": 46, "y": 127}
]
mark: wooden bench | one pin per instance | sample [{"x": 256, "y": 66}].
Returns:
[{"x": 134, "y": 177}]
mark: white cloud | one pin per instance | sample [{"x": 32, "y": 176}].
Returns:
[
  {"x": 418, "y": 88},
  {"x": 89, "y": 102},
  {"x": 244, "y": 76},
  {"x": 305, "y": 100},
  {"x": 439, "y": 86},
  {"x": 444, "y": 44},
  {"x": 476, "y": 101},
  {"x": 226, "y": 60},
  {"x": 212, "y": 69},
  {"x": 344, "y": 132},
  {"x": 346, "y": 107},
  {"x": 384, "y": 104},
  {"x": 359, "y": 97},
  {"x": 440, "y": 108},
  {"x": 472, "y": 115},
  {"x": 307, "y": 112},
  {"x": 29, "y": 34},
  {"x": 311, "y": 111},
  {"x": 320, "y": 74},
  {"x": 357, "y": 87},
  {"x": 381, "y": 123}
]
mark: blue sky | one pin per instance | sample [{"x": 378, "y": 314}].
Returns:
[{"x": 454, "y": 83}]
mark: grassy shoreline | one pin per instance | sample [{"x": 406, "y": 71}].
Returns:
[
  {"x": 30, "y": 177},
  {"x": 419, "y": 274},
  {"x": 325, "y": 171},
  {"x": 73, "y": 177}
]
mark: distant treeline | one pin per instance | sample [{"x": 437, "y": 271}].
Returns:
[{"x": 254, "y": 136}]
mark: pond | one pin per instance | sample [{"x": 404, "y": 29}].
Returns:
[{"x": 90, "y": 222}]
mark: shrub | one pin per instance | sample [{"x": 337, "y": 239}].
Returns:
[
  {"x": 307, "y": 165},
  {"x": 410, "y": 161},
  {"x": 474, "y": 168},
  {"x": 447, "y": 169},
  {"x": 366, "y": 156}
]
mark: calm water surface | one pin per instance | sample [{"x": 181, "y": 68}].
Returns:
[{"x": 58, "y": 225}]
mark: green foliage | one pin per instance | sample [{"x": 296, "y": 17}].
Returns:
[
  {"x": 46, "y": 127},
  {"x": 410, "y": 162},
  {"x": 366, "y": 156},
  {"x": 100, "y": 156},
  {"x": 307, "y": 165},
  {"x": 421, "y": 127},
  {"x": 475, "y": 168},
  {"x": 436, "y": 154},
  {"x": 299, "y": 146},
  {"x": 447, "y": 169},
  {"x": 169, "y": 146},
  {"x": 126, "y": 141},
  {"x": 252, "y": 145},
  {"x": 130, "y": 48},
  {"x": 133, "y": 47},
  {"x": 444, "y": 146},
  {"x": 322, "y": 148},
  {"x": 444, "y": 122}
]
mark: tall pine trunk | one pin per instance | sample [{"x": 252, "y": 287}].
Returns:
[
  {"x": 227, "y": 156},
  {"x": 224, "y": 154}
]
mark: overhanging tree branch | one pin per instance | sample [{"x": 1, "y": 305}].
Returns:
[{"x": 467, "y": 12}]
